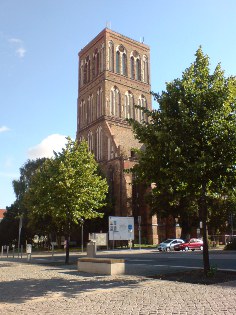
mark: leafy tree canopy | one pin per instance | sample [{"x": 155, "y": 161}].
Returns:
[{"x": 190, "y": 141}]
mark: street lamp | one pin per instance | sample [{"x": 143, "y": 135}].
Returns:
[{"x": 82, "y": 234}]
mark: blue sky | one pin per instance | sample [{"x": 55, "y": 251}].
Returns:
[{"x": 39, "y": 45}]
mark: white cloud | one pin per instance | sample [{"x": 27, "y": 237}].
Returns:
[
  {"x": 46, "y": 147},
  {"x": 3, "y": 129},
  {"x": 20, "y": 49},
  {"x": 21, "y": 52}
]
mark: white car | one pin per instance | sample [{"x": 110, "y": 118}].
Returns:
[{"x": 169, "y": 244}]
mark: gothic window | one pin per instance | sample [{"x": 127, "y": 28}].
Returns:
[
  {"x": 81, "y": 73},
  {"x": 90, "y": 108},
  {"x": 97, "y": 71},
  {"x": 143, "y": 103},
  {"x": 118, "y": 62},
  {"x": 88, "y": 72},
  {"x": 99, "y": 143},
  {"x": 129, "y": 105},
  {"x": 82, "y": 113},
  {"x": 85, "y": 73},
  {"x": 132, "y": 67},
  {"x": 135, "y": 66},
  {"x": 102, "y": 56},
  {"x": 111, "y": 56},
  {"x": 96, "y": 63},
  {"x": 138, "y": 69},
  {"x": 99, "y": 102},
  {"x": 115, "y": 102},
  {"x": 124, "y": 64},
  {"x": 90, "y": 141},
  {"x": 145, "y": 69}
]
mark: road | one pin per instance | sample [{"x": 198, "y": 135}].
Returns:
[{"x": 151, "y": 262}]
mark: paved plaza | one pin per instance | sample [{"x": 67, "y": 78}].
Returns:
[{"x": 29, "y": 288}]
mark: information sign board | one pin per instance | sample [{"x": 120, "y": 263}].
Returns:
[{"x": 121, "y": 228}]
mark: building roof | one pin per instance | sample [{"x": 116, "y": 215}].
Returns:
[{"x": 2, "y": 213}]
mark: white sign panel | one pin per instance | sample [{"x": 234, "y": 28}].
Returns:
[{"x": 121, "y": 228}]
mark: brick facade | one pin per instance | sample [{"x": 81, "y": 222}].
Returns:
[{"x": 114, "y": 75}]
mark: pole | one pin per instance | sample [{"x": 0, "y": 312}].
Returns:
[
  {"x": 139, "y": 231},
  {"x": 82, "y": 234}
]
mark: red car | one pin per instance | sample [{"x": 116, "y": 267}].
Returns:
[{"x": 192, "y": 244}]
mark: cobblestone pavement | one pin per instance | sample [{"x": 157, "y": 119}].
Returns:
[{"x": 45, "y": 289}]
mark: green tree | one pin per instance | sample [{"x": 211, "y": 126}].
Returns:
[
  {"x": 190, "y": 142},
  {"x": 68, "y": 188}
]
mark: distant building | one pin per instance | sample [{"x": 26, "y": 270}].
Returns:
[
  {"x": 2, "y": 211},
  {"x": 114, "y": 76}
]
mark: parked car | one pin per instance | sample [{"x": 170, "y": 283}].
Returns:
[
  {"x": 192, "y": 244},
  {"x": 169, "y": 244}
]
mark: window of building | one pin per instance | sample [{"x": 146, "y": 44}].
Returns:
[
  {"x": 118, "y": 62},
  {"x": 139, "y": 114},
  {"x": 99, "y": 143},
  {"x": 124, "y": 64},
  {"x": 115, "y": 102},
  {"x": 111, "y": 55},
  {"x": 102, "y": 57},
  {"x": 90, "y": 141},
  {"x": 99, "y": 102},
  {"x": 145, "y": 69},
  {"x": 132, "y": 67},
  {"x": 138, "y": 70},
  {"x": 82, "y": 73},
  {"x": 129, "y": 105}
]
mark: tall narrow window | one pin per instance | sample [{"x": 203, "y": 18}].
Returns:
[
  {"x": 117, "y": 62},
  {"x": 90, "y": 141},
  {"x": 85, "y": 73},
  {"x": 111, "y": 56},
  {"x": 115, "y": 102},
  {"x": 129, "y": 105},
  {"x": 88, "y": 73},
  {"x": 99, "y": 102},
  {"x": 138, "y": 70},
  {"x": 124, "y": 64},
  {"x": 82, "y": 74},
  {"x": 132, "y": 67},
  {"x": 99, "y": 143},
  {"x": 102, "y": 59},
  {"x": 145, "y": 69}
]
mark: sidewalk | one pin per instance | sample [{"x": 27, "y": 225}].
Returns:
[{"x": 38, "y": 289}]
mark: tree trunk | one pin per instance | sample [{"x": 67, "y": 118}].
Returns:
[
  {"x": 67, "y": 249},
  {"x": 203, "y": 211},
  {"x": 67, "y": 239}
]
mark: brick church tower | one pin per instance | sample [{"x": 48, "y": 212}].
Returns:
[{"x": 114, "y": 75}]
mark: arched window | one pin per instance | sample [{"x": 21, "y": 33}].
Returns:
[
  {"x": 138, "y": 70},
  {"x": 132, "y": 67},
  {"x": 99, "y": 143},
  {"x": 85, "y": 73},
  {"x": 118, "y": 62},
  {"x": 145, "y": 69},
  {"x": 96, "y": 63},
  {"x": 129, "y": 105},
  {"x": 111, "y": 56},
  {"x": 115, "y": 102},
  {"x": 102, "y": 56},
  {"x": 88, "y": 109},
  {"x": 97, "y": 71},
  {"x": 82, "y": 73},
  {"x": 139, "y": 112},
  {"x": 99, "y": 102},
  {"x": 124, "y": 64},
  {"x": 90, "y": 141},
  {"x": 135, "y": 66},
  {"x": 82, "y": 113}
]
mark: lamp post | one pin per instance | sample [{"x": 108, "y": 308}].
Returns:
[{"x": 82, "y": 234}]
